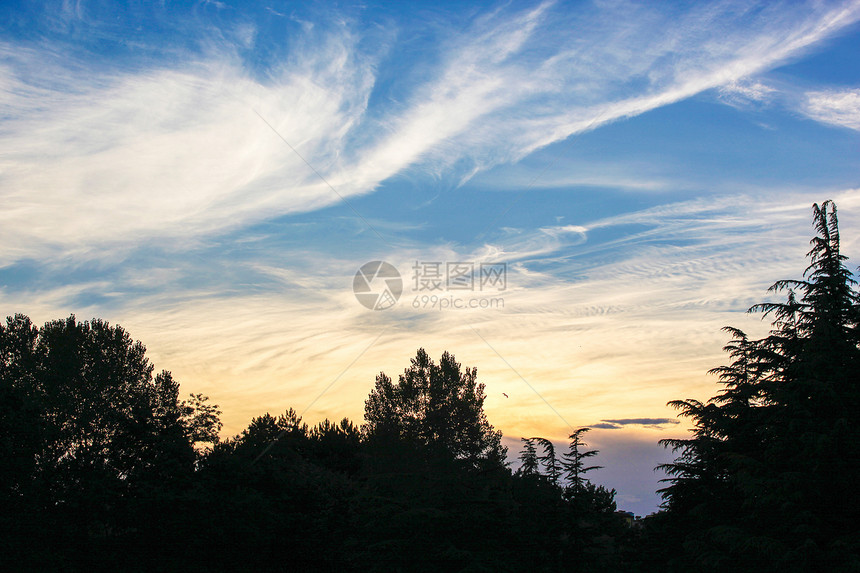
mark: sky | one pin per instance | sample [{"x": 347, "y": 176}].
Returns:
[{"x": 576, "y": 196}]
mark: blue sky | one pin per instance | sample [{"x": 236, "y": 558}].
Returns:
[{"x": 211, "y": 175}]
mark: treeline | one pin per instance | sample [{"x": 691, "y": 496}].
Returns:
[
  {"x": 105, "y": 467},
  {"x": 109, "y": 470}
]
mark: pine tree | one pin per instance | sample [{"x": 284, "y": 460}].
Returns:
[
  {"x": 528, "y": 458},
  {"x": 552, "y": 467},
  {"x": 574, "y": 464}
]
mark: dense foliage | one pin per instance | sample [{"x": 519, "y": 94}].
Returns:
[{"x": 109, "y": 470}]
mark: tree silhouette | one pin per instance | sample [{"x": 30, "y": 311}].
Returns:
[
  {"x": 767, "y": 478},
  {"x": 97, "y": 440},
  {"x": 529, "y": 464},
  {"x": 433, "y": 464},
  {"x": 570, "y": 524},
  {"x": 437, "y": 408},
  {"x": 574, "y": 464},
  {"x": 551, "y": 465}
]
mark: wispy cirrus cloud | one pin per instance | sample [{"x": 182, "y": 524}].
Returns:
[
  {"x": 834, "y": 107},
  {"x": 171, "y": 152},
  {"x": 745, "y": 92},
  {"x": 164, "y": 153}
]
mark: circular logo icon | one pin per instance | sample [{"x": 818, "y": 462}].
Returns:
[{"x": 377, "y": 285}]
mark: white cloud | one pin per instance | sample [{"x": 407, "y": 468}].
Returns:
[
  {"x": 590, "y": 78},
  {"x": 103, "y": 161},
  {"x": 166, "y": 154},
  {"x": 834, "y": 107},
  {"x": 745, "y": 91}
]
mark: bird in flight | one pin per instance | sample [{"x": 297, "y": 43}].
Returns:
[{"x": 505, "y": 395}]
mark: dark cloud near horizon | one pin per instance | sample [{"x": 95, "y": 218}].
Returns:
[{"x": 621, "y": 422}]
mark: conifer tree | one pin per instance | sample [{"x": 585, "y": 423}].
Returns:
[
  {"x": 574, "y": 464},
  {"x": 552, "y": 466},
  {"x": 768, "y": 478},
  {"x": 529, "y": 458}
]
